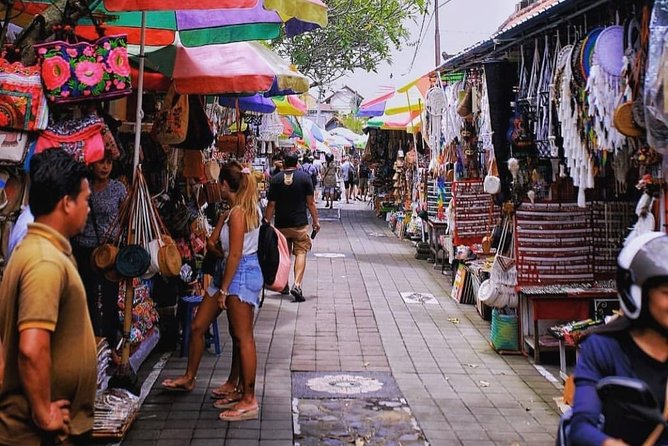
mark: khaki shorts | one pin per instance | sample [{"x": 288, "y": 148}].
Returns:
[{"x": 299, "y": 240}]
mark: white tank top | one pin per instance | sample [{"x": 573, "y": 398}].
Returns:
[{"x": 250, "y": 238}]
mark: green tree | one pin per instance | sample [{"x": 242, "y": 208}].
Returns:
[{"x": 360, "y": 34}]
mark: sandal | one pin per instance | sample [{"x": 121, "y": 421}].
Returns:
[
  {"x": 239, "y": 414},
  {"x": 170, "y": 385},
  {"x": 228, "y": 401},
  {"x": 217, "y": 394}
]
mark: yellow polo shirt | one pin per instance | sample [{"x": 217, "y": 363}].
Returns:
[{"x": 41, "y": 288}]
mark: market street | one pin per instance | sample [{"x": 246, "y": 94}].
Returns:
[{"x": 430, "y": 356}]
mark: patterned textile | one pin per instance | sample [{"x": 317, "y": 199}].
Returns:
[
  {"x": 22, "y": 101},
  {"x": 83, "y": 71},
  {"x": 82, "y": 138}
]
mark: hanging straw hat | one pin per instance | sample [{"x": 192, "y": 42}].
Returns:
[
  {"x": 212, "y": 170},
  {"x": 624, "y": 122},
  {"x": 487, "y": 293}
]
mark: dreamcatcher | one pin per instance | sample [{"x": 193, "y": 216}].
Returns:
[{"x": 436, "y": 106}]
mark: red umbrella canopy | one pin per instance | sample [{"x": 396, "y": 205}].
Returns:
[{"x": 164, "y": 5}]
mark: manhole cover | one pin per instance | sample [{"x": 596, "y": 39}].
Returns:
[
  {"x": 344, "y": 385},
  {"x": 329, "y": 255},
  {"x": 413, "y": 297}
]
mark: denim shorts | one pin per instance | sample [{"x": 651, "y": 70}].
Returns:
[{"x": 247, "y": 282}]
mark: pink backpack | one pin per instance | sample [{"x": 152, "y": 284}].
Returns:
[{"x": 274, "y": 258}]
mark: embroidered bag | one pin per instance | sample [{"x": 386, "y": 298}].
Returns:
[
  {"x": 82, "y": 138},
  {"x": 13, "y": 147},
  {"x": 85, "y": 71},
  {"x": 171, "y": 123},
  {"x": 22, "y": 102}
]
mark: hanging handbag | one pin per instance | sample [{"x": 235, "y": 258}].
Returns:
[
  {"x": 199, "y": 135},
  {"x": 82, "y": 138},
  {"x": 22, "y": 102},
  {"x": 83, "y": 71},
  {"x": 234, "y": 143},
  {"x": 13, "y": 147},
  {"x": 193, "y": 165},
  {"x": 171, "y": 123}
]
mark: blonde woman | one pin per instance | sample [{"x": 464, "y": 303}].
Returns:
[{"x": 241, "y": 285}]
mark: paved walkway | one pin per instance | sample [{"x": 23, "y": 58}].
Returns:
[{"x": 354, "y": 320}]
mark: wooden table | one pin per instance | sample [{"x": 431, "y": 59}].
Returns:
[{"x": 568, "y": 306}]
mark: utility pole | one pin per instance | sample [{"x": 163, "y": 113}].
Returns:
[{"x": 437, "y": 35}]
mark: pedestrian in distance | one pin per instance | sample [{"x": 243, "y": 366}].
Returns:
[
  {"x": 355, "y": 180},
  {"x": 347, "y": 175},
  {"x": 290, "y": 196},
  {"x": 329, "y": 182},
  {"x": 364, "y": 174},
  {"x": 50, "y": 374}
]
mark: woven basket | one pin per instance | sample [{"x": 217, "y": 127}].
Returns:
[{"x": 504, "y": 330}]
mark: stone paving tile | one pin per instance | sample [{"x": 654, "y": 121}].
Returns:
[{"x": 354, "y": 319}]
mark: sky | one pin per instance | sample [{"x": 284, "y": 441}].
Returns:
[{"x": 462, "y": 25}]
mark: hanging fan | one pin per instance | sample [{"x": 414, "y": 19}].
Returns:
[{"x": 435, "y": 102}]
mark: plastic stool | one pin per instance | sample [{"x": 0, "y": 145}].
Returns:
[{"x": 190, "y": 305}]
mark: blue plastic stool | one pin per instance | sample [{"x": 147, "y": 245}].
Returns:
[{"x": 190, "y": 304}]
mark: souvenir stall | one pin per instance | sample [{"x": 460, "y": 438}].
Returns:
[
  {"x": 461, "y": 212},
  {"x": 583, "y": 112}
]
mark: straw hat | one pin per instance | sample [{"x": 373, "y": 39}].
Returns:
[
  {"x": 104, "y": 256},
  {"x": 169, "y": 259},
  {"x": 624, "y": 122}
]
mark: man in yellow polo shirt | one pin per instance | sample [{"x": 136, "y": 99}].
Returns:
[{"x": 48, "y": 390}]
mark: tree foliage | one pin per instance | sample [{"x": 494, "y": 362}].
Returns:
[{"x": 360, "y": 34}]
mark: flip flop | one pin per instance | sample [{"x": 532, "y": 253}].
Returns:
[
  {"x": 217, "y": 394},
  {"x": 227, "y": 402},
  {"x": 239, "y": 414},
  {"x": 175, "y": 387}
]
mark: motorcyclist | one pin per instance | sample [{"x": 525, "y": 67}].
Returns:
[{"x": 634, "y": 346}]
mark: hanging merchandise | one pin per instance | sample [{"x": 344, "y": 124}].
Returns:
[
  {"x": 604, "y": 87},
  {"x": 199, "y": 135},
  {"x": 82, "y": 138},
  {"x": 233, "y": 142},
  {"x": 171, "y": 122},
  {"x": 13, "y": 147},
  {"x": 22, "y": 102},
  {"x": 656, "y": 79},
  {"x": 85, "y": 71}
]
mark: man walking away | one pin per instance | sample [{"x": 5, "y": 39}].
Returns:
[
  {"x": 347, "y": 175},
  {"x": 50, "y": 378},
  {"x": 364, "y": 173},
  {"x": 290, "y": 194}
]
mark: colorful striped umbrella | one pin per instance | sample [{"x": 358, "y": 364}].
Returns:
[
  {"x": 234, "y": 68},
  {"x": 195, "y": 23},
  {"x": 289, "y": 105},
  {"x": 393, "y": 103},
  {"x": 318, "y": 133},
  {"x": 256, "y": 103}
]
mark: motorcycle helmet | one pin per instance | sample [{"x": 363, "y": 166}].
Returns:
[{"x": 643, "y": 258}]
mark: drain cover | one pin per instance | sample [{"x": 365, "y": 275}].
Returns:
[
  {"x": 377, "y": 234},
  {"x": 413, "y": 297},
  {"x": 344, "y": 385},
  {"x": 329, "y": 255}
]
